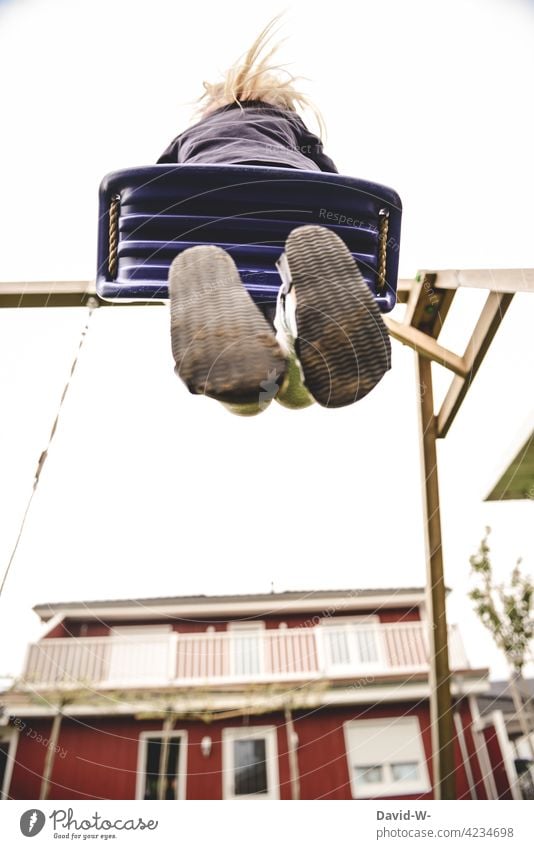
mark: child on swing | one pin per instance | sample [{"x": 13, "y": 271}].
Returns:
[{"x": 329, "y": 343}]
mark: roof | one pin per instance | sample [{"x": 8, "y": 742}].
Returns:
[
  {"x": 302, "y": 600},
  {"x": 499, "y": 696},
  {"x": 517, "y": 479}
]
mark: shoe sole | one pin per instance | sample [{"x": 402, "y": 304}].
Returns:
[
  {"x": 342, "y": 344},
  {"x": 222, "y": 345}
]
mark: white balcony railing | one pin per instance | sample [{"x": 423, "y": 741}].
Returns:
[{"x": 210, "y": 658}]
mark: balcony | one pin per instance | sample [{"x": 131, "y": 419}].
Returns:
[{"x": 324, "y": 652}]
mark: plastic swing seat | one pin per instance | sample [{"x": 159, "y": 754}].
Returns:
[{"x": 148, "y": 215}]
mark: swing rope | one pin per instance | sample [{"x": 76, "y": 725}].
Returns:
[{"x": 92, "y": 304}]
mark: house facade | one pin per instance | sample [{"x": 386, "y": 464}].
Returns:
[{"x": 318, "y": 695}]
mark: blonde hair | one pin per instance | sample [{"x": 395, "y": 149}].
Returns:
[{"x": 254, "y": 78}]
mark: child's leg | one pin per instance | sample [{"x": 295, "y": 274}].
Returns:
[
  {"x": 327, "y": 315},
  {"x": 222, "y": 344},
  {"x": 293, "y": 393}
]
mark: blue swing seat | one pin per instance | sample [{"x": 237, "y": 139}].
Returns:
[{"x": 148, "y": 215}]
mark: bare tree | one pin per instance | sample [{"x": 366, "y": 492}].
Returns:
[{"x": 507, "y": 611}]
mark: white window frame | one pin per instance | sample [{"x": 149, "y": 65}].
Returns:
[
  {"x": 350, "y": 625},
  {"x": 252, "y": 629},
  {"x": 144, "y": 736},
  {"x": 12, "y": 736},
  {"x": 124, "y": 638},
  {"x": 251, "y": 732},
  {"x": 388, "y": 787}
]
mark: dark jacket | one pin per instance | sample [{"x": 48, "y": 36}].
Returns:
[{"x": 256, "y": 134}]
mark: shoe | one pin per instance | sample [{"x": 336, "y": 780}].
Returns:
[
  {"x": 222, "y": 345},
  {"x": 327, "y": 314}
]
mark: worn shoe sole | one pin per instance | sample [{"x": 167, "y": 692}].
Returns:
[
  {"x": 342, "y": 343},
  {"x": 222, "y": 345}
]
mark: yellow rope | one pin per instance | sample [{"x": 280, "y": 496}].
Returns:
[
  {"x": 382, "y": 248},
  {"x": 113, "y": 234}
]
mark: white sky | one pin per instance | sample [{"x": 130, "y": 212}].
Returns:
[{"x": 150, "y": 491}]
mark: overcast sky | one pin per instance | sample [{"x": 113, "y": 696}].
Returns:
[{"x": 150, "y": 491}]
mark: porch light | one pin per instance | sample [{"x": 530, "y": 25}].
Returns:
[{"x": 205, "y": 746}]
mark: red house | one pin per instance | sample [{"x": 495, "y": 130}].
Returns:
[{"x": 311, "y": 695}]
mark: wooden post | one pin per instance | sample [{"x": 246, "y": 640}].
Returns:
[
  {"x": 458, "y": 726},
  {"x": 164, "y": 755},
  {"x": 441, "y": 718},
  {"x": 291, "y": 734},
  {"x": 516, "y": 680},
  {"x": 50, "y": 755}
]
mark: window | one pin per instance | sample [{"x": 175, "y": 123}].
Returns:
[
  {"x": 247, "y": 648},
  {"x": 153, "y": 775},
  {"x": 386, "y": 757},
  {"x": 368, "y": 774},
  {"x": 408, "y": 771},
  {"x": 250, "y": 763},
  {"x": 8, "y": 743},
  {"x": 352, "y": 644},
  {"x": 138, "y": 653}
]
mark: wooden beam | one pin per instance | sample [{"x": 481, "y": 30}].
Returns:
[
  {"x": 291, "y": 735},
  {"x": 40, "y": 301},
  {"x": 441, "y": 716},
  {"x": 59, "y": 293},
  {"x": 503, "y": 280},
  {"x": 489, "y": 321},
  {"x": 404, "y": 287},
  {"x": 428, "y": 305},
  {"x": 50, "y": 756},
  {"x": 47, "y": 287},
  {"x": 168, "y": 725},
  {"x": 425, "y": 345},
  {"x": 466, "y": 761},
  {"x": 63, "y": 293}
]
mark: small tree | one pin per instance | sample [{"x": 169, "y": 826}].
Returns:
[{"x": 507, "y": 611}]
